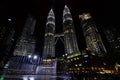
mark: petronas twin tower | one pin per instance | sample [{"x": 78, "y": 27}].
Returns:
[
  {"x": 26, "y": 43},
  {"x": 68, "y": 32},
  {"x": 26, "y": 61}
]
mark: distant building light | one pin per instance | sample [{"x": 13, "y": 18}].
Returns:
[
  {"x": 104, "y": 64},
  {"x": 86, "y": 61},
  {"x": 80, "y": 64},
  {"x": 87, "y": 49},
  {"x": 71, "y": 51},
  {"x": 76, "y": 65},
  {"x": 6, "y": 66},
  {"x": 85, "y": 55},
  {"x": 9, "y": 19}
]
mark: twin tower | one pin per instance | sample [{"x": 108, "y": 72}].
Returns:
[
  {"x": 26, "y": 43},
  {"x": 70, "y": 41}
]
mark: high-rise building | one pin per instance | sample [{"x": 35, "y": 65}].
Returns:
[
  {"x": 92, "y": 36},
  {"x": 113, "y": 38},
  {"x": 112, "y": 35},
  {"x": 24, "y": 60},
  {"x": 49, "y": 46},
  {"x": 70, "y": 40},
  {"x": 26, "y": 43}
]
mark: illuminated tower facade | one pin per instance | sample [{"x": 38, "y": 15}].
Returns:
[
  {"x": 26, "y": 43},
  {"x": 49, "y": 47},
  {"x": 70, "y": 40},
  {"x": 92, "y": 36}
]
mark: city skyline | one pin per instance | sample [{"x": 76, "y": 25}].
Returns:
[
  {"x": 103, "y": 15},
  {"x": 59, "y": 39}
]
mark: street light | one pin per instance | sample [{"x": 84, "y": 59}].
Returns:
[
  {"x": 29, "y": 56},
  {"x": 35, "y": 57}
]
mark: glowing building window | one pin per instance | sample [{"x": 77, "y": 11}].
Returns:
[
  {"x": 74, "y": 58},
  {"x": 78, "y": 68},
  {"x": 85, "y": 55},
  {"x": 76, "y": 65},
  {"x": 86, "y": 61},
  {"x": 80, "y": 64},
  {"x": 104, "y": 64},
  {"x": 68, "y": 61},
  {"x": 77, "y": 58}
]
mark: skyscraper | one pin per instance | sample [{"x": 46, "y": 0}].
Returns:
[
  {"x": 69, "y": 32},
  {"x": 24, "y": 59},
  {"x": 92, "y": 36},
  {"x": 26, "y": 43},
  {"x": 113, "y": 37},
  {"x": 49, "y": 47}
]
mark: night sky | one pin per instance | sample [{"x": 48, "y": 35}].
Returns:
[{"x": 104, "y": 13}]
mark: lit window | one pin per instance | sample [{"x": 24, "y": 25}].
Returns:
[
  {"x": 86, "y": 61},
  {"x": 76, "y": 65},
  {"x": 77, "y": 58},
  {"x": 9, "y": 19},
  {"x": 74, "y": 58},
  {"x": 80, "y": 64},
  {"x": 85, "y": 55},
  {"x": 104, "y": 63},
  {"x": 78, "y": 68},
  {"x": 68, "y": 60}
]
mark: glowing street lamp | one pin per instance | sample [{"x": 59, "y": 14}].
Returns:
[
  {"x": 35, "y": 57},
  {"x": 29, "y": 56}
]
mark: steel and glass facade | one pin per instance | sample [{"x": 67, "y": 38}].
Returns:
[{"x": 70, "y": 40}]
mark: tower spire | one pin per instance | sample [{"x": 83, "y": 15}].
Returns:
[{"x": 66, "y": 9}]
